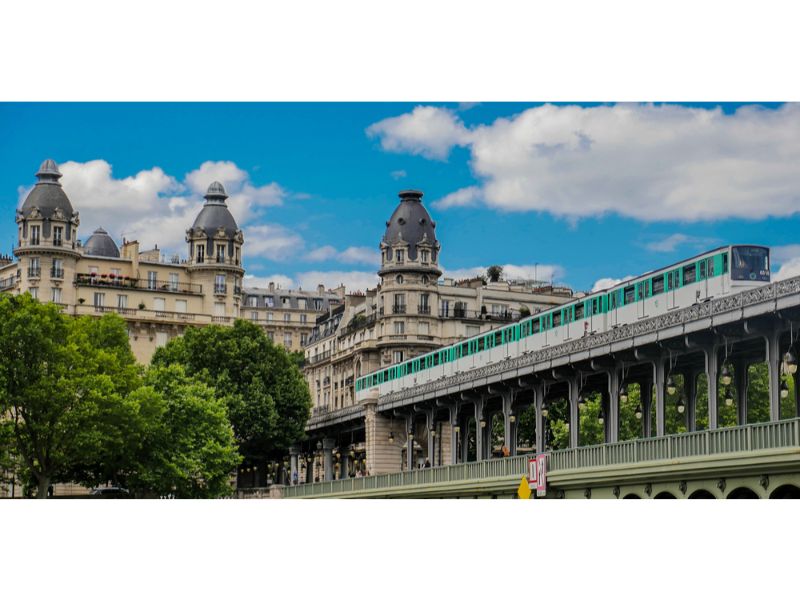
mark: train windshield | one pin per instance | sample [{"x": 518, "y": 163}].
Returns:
[{"x": 750, "y": 263}]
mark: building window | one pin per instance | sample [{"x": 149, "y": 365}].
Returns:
[
  {"x": 270, "y": 316},
  {"x": 122, "y": 301},
  {"x": 220, "y": 253},
  {"x": 162, "y": 337},
  {"x": 499, "y": 309},
  {"x": 424, "y": 256},
  {"x": 57, "y": 295},
  {"x": 238, "y": 255},
  {"x": 399, "y": 304},
  {"x": 58, "y": 269},
  {"x": 116, "y": 272},
  {"x": 399, "y": 327},
  {"x": 304, "y": 318},
  {"x": 219, "y": 284},
  {"x": 303, "y": 339},
  {"x": 302, "y": 303},
  {"x": 388, "y": 255},
  {"x": 152, "y": 276},
  {"x": 317, "y": 303},
  {"x": 34, "y": 292},
  {"x": 473, "y": 330},
  {"x": 444, "y": 309},
  {"x": 270, "y": 301},
  {"x": 287, "y": 340},
  {"x": 397, "y": 356},
  {"x": 180, "y": 306},
  {"x": 35, "y": 230},
  {"x": 159, "y": 304},
  {"x": 99, "y": 299},
  {"x": 58, "y": 236},
  {"x": 400, "y": 256},
  {"x": 254, "y": 316},
  {"x": 94, "y": 270},
  {"x": 173, "y": 282},
  {"x": 424, "y": 328},
  {"x": 425, "y": 279},
  {"x": 287, "y": 317},
  {"x": 35, "y": 267},
  {"x": 252, "y": 301},
  {"x": 271, "y": 336},
  {"x": 399, "y": 279},
  {"x": 219, "y": 309},
  {"x": 201, "y": 253},
  {"x": 424, "y": 307}
]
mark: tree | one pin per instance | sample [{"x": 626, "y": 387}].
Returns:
[
  {"x": 188, "y": 448},
  {"x": 268, "y": 400},
  {"x": 494, "y": 273},
  {"x": 61, "y": 382}
]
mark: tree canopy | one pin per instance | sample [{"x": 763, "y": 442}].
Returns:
[{"x": 268, "y": 400}]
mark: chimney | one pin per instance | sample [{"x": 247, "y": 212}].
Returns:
[
  {"x": 320, "y": 288},
  {"x": 271, "y": 286},
  {"x": 130, "y": 250}
]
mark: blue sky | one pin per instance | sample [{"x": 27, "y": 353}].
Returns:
[{"x": 580, "y": 191}]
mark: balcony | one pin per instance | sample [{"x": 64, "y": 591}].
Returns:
[
  {"x": 220, "y": 288},
  {"x": 56, "y": 273},
  {"x": 424, "y": 309},
  {"x": 399, "y": 309},
  {"x": 476, "y": 315},
  {"x": 319, "y": 357},
  {"x": 34, "y": 272},
  {"x": 8, "y": 282},
  {"x": 237, "y": 290},
  {"x": 123, "y": 282},
  {"x": 221, "y": 319}
]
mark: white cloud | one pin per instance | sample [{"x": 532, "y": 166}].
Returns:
[
  {"x": 271, "y": 242},
  {"x": 647, "y": 162},
  {"x": 512, "y": 272},
  {"x": 399, "y": 174},
  {"x": 468, "y": 196},
  {"x": 609, "y": 282},
  {"x": 788, "y": 258},
  {"x": 791, "y": 268},
  {"x": 280, "y": 281},
  {"x": 352, "y": 255},
  {"x": 669, "y": 243},
  {"x": 427, "y": 130}
]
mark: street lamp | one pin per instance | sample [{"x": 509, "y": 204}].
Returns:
[
  {"x": 728, "y": 397},
  {"x": 671, "y": 387},
  {"x": 638, "y": 411},
  {"x": 545, "y": 410},
  {"x": 791, "y": 362},
  {"x": 623, "y": 393},
  {"x": 725, "y": 376},
  {"x": 681, "y": 406},
  {"x": 784, "y": 389},
  {"x": 410, "y": 435},
  {"x": 601, "y": 417},
  {"x": 456, "y": 429}
]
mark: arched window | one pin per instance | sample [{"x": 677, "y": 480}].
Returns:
[{"x": 399, "y": 279}]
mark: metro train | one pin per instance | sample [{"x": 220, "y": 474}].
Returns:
[{"x": 719, "y": 272}]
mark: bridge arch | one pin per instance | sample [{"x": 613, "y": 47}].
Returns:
[
  {"x": 702, "y": 494},
  {"x": 786, "y": 492},
  {"x": 631, "y": 496},
  {"x": 743, "y": 493},
  {"x": 665, "y": 496}
]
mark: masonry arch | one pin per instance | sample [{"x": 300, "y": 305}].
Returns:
[
  {"x": 743, "y": 493},
  {"x": 665, "y": 496},
  {"x": 631, "y": 497},
  {"x": 786, "y": 492},
  {"x": 702, "y": 495}
]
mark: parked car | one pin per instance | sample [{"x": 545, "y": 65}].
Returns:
[{"x": 110, "y": 492}]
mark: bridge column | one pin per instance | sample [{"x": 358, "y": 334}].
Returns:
[
  {"x": 659, "y": 382},
  {"x": 690, "y": 389},
  {"x": 465, "y": 437},
  {"x": 294, "y": 472},
  {"x": 796, "y": 377},
  {"x": 574, "y": 415},
  {"x": 774, "y": 370},
  {"x": 646, "y": 394},
  {"x": 712, "y": 377},
  {"x": 383, "y": 455},
  {"x": 410, "y": 442},
  {"x": 740, "y": 378},
  {"x": 328, "y": 444},
  {"x": 612, "y": 416},
  {"x": 454, "y": 433},
  {"x": 430, "y": 423},
  {"x": 538, "y": 399},
  {"x": 479, "y": 432},
  {"x": 509, "y": 428},
  {"x": 344, "y": 467}
]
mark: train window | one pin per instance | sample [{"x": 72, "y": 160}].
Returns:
[
  {"x": 556, "y": 319},
  {"x": 724, "y": 263},
  {"x": 578, "y": 311},
  {"x": 537, "y": 326},
  {"x": 658, "y": 284},
  {"x": 670, "y": 284},
  {"x": 464, "y": 349},
  {"x": 702, "y": 270},
  {"x": 630, "y": 294},
  {"x": 689, "y": 274},
  {"x": 641, "y": 290},
  {"x": 750, "y": 263},
  {"x": 710, "y": 266},
  {"x": 498, "y": 338}
]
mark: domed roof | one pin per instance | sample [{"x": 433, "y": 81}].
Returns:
[
  {"x": 47, "y": 195},
  {"x": 410, "y": 222},
  {"x": 101, "y": 244},
  {"x": 215, "y": 213}
]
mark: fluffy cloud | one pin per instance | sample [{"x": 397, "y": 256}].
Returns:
[
  {"x": 788, "y": 259},
  {"x": 399, "y": 174},
  {"x": 156, "y": 208},
  {"x": 512, "y": 272},
  {"x": 609, "y": 282},
  {"x": 677, "y": 240},
  {"x": 468, "y": 196},
  {"x": 647, "y": 162},
  {"x": 271, "y": 242},
  {"x": 427, "y": 130},
  {"x": 352, "y": 255}
]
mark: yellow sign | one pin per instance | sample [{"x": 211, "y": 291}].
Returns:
[{"x": 524, "y": 490}]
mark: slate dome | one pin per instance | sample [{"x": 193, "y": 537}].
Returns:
[
  {"x": 47, "y": 195},
  {"x": 410, "y": 222},
  {"x": 101, "y": 244}
]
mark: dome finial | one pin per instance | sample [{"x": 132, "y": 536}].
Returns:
[
  {"x": 412, "y": 195},
  {"x": 216, "y": 193},
  {"x": 48, "y": 172}
]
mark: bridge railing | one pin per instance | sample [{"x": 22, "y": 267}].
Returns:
[{"x": 759, "y": 436}]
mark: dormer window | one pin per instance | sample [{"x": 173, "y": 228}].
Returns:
[
  {"x": 424, "y": 256},
  {"x": 35, "y": 231},
  {"x": 400, "y": 256},
  {"x": 220, "y": 253},
  {"x": 57, "y": 236},
  {"x": 201, "y": 253}
]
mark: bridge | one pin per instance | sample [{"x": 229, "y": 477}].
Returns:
[{"x": 703, "y": 349}]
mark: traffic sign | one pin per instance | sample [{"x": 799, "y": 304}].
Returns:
[{"x": 541, "y": 468}]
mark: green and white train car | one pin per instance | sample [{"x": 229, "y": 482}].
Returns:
[{"x": 719, "y": 272}]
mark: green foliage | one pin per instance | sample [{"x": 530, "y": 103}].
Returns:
[
  {"x": 494, "y": 273},
  {"x": 268, "y": 400}
]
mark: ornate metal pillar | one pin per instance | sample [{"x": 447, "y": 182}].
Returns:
[
  {"x": 774, "y": 370},
  {"x": 294, "y": 475},
  {"x": 659, "y": 383},
  {"x": 455, "y": 433},
  {"x": 509, "y": 428},
  {"x": 690, "y": 389},
  {"x": 712, "y": 377},
  {"x": 479, "y": 450},
  {"x": 538, "y": 399},
  {"x": 430, "y": 423},
  {"x": 740, "y": 380},
  {"x": 646, "y": 395},
  {"x": 410, "y": 442},
  {"x": 612, "y": 416},
  {"x": 574, "y": 415}
]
